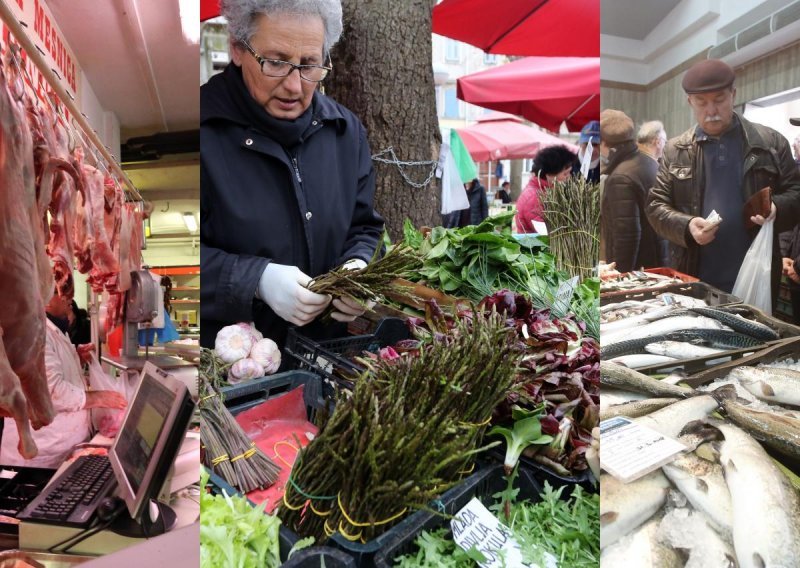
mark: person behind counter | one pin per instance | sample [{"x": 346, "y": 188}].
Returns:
[
  {"x": 72, "y": 424},
  {"x": 287, "y": 183}
]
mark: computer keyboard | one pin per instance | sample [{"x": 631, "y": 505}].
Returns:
[{"x": 72, "y": 499}]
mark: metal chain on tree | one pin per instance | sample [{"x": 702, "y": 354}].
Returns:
[{"x": 402, "y": 164}]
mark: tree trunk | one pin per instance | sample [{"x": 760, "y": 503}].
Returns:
[
  {"x": 516, "y": 179},
  {"x": 382, "y": 72}
]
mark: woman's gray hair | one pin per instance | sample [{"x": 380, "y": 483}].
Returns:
[
  {"x": 242, "y": 15},
  {"x": 650, "y": 131}
]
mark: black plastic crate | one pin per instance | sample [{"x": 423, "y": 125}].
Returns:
[
  {"x": 542, "y": 473},
  {"x": 482, "y": 485},
  {"x": 286, "y": 538},
  {"x": 247, "y": 395},
  {"x": 320, "y": 556},
  {"x": 332, "y": 358},
  {"x": 700, "y": 290}
]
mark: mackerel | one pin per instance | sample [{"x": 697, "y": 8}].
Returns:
[
  {"x": 635, "y": 408},
  {"x": 737, "y": 323},
  {"x": 703, "y": 484},
  {"x": 774, "y": 384},
  {"x": 717, "y": 338},
  {"x": 766, "y": 507},
  {"x": 662, "y": 326},
  {"x": 617, "y": 376},
  {"x": 641, "y": 549},
  {"x": 778, "y": 431},
  {"x": 639, "y": 360},
  {"x": 680, "y": 350},
  {"x": 625, "y": 506}
]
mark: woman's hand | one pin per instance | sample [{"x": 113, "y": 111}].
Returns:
[
  {"x": 347, "y": 309},
  {"x": 283, "y": 288}
]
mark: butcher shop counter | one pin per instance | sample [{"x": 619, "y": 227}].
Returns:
[{"x": 184, "y": 501}]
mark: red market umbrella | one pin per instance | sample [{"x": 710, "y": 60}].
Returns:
[
  {"x": 499, "y": 136},
  {"x": 558, "y": 28},
  {"x": 208, "y": 9},
  {"x": 545, "y": 90}
]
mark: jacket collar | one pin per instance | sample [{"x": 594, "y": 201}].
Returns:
[
  {"x": 752, "y": 136},
  {"x": 621, "y": 153},
  {"x": 216, "y": 104}
]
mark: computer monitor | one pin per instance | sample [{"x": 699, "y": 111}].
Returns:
[{"x": 148, "y": 442}]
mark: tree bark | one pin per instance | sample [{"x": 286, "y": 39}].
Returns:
[
  {"x": 382, "y": 72},
  {"x": 516, "y": 179}
]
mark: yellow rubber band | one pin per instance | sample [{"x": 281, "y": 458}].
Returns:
[
  {"x": 350, "y": 537},
  {"x": 479, "y": 424},
  {"x": 319, "y": 514},
  {"x": 278, "y": 456},
  {"x": 290, "y": 507},
  {"x": 328, "y": 531},
  {"x": 466, "y": 471},
  {"x": 356, "y": 524},
  {"x": 205, "y": 398},
  {"x": 220, "y": 459}
]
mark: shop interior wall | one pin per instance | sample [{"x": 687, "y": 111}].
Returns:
[{"x": 666, "y": 101}]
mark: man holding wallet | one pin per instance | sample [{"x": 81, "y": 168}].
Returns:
[{"x": 720, "y": 165}]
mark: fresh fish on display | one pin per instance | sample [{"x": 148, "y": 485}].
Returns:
[
  {"x": 625, "y": 506},
  {"x": 703, "y": 484},
  {"x": 663, "y": 326},
  {"x": 675, "y": 377},
  {"x": 717, "y": 338},
  {"x": 672, "y": 419},
  {"x": 637, "y": 320},
  {"x": 680, "y": 350},
  {"x": 740, "y": 324},
  {"x": 617, "y": 376},
  {"x": 778, "y": 431},
  {"x": 611, "y": 397},
  {"x": 766, "y": 507},
  {"x": 690, "y": 531},
  {"x": 774, "y": 384},
  {"x": 680, "y": 300},
  {"x": 635, "y": 408},
  {"x": 637, "y": 361},
  {"x": 641, "y": 549},
  {"x": 625, "y": 304}
]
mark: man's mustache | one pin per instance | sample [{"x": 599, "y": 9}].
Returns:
[{"x": 715, "y": 118}]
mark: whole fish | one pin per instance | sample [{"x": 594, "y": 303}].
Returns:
[
  {"x": 642, "y": 549},
  {"x": 680, "y": 350},
  {"x": 672, "y": 419},
  {"x": 703, "y": 484},
  {"x": 617, "y": 376},
  {"x": 639, "y": 360},
  {"x": 690, "y": 531},
  {"x": 717, "y": 338},
  {"x": 774, "y": 384},
  {"x": 777, "y": 431},
  {"x": 640, "y": 319},
  {"x": 611, "y": 397},
  {"x": 766, "y": 507},
  {"x": 635, "y": 408},
  {"x": 738, "y": 323},
  {"x": 625, "y": 506},
  {"x": 662, "y": 326},
  {"x": 621, "y": 305}
]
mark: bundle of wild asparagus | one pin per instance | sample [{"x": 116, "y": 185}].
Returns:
[
  {"x": 572, "y": 215},
  {"x": 214, "y": 369},
  {"x": 373, "y": 281},
  {"x": 408, "y": 432},
  {"x": 229, "y": 452}
]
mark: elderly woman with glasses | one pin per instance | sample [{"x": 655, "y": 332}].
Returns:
[{"x": 287, "y": 182}]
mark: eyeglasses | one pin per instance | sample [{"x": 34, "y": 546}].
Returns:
[{"x": 278, "y": 68}]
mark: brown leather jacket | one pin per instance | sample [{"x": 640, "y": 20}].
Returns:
[{"x": 678, "y": 193}]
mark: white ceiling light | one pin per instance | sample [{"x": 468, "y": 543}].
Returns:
[
  {"x": 190, "y": 20},
  {"x": 190, "y": 221}
]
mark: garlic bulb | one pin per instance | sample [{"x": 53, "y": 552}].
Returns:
[
  {"x": 244, "y": 370},
  {"x": 233, "y": 343},
  {"x": 266, "y": 352},
  {"x": 251, "y": 327}
]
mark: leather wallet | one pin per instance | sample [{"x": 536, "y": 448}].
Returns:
[{"x": 759, "y": 204}]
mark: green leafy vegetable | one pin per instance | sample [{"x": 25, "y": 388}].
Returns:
[{"x": 527, "y": 430}]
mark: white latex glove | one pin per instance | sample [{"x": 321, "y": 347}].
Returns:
[
  {"x": 759, "y": 220},
  {"x": 346, "y": 309},
  {"x": 284, "y": 290}
]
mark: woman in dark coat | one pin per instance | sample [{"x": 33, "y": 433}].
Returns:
[
  {"x": 478, "y": 206},
  {"x": 287, "y": 182}
]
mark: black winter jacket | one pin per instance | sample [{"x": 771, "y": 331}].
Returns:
[
  {"x": 313, "y": 210},
  {"x": 628, "y": 237}
]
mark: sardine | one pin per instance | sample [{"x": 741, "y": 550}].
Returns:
[
  {"x": 687, "y": 530},
  {"x": 625, "y": 506},
  {"x": 777, "y": 431},
  {"x": 703, "y": 484},
  {"x": 774, "y": 384},
  {"x": 680, "y": 350},
  {"x": 766, "y": 507},
  {"x": 641, "y": 549},
  {"x": 737, "y": 323},
  {"x": 635, "y": 408},
  {"x": 617, "y": 376},
  {"x": 672, "y": 419},
  {"x": 639, "y": 360}
]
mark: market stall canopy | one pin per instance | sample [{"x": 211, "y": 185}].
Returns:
[
  {"x": 559, "y": 28},
  {"x": 500, "y": 136},
  {"x": 208, "y": 9},
  {"x": 545, "y": 90}
]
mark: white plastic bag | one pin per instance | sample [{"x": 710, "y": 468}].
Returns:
[
  {"x": 454, "y": 196},
  {"x": 107, "y": 421},
  {"x": 754, "y": 282}
]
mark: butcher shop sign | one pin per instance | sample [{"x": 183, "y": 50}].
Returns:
[{"x": 43, "y": 31}]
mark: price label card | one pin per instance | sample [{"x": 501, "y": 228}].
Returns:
[
  {"x": 629, "y": 450},
  {"x": 476, "y": 528},
  {"x": 539, "y": 227}
]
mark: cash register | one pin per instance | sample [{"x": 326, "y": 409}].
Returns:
[{"x": 118, "y": 492}]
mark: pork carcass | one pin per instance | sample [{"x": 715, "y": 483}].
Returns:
[{"x": 25, "y": 278}]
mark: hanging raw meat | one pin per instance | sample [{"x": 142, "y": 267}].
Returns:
[
  {"x": 64, "y": 178},
  {"x": 104, "y": 262},
  {"x": 83, "y": 242},
  {"x": 26, "y": 283}
]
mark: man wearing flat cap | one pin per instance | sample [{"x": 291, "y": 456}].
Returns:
[
  {"x": 627, "y": 236},
  {"x": 719, "y": 164}
]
